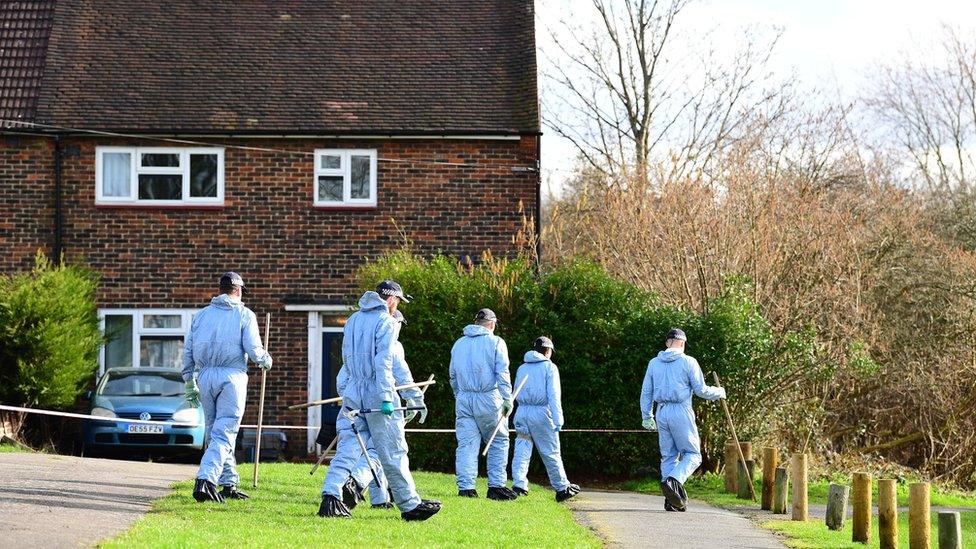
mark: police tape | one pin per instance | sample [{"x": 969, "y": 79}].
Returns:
[{"x": 263, "y": 426}]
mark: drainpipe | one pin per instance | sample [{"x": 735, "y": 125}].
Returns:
[
  {"x": 538, "y": 199},
  {"x": 57, "y": 200}
]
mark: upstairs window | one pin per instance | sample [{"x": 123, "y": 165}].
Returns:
[
  {"x": 159, "y": 176},
  {"x": 345, "y": 177}
]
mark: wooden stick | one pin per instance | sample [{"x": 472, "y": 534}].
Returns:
[
  {"x": 264, "y": 379},
  {"x": 338, "y": 399},
  {"x": 728, "y": 416},
  {"x": 504, "y": 419},
  {"x": 426, "y": 385}
]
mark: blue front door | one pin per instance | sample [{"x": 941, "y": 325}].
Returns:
[{"x": 331, "y": 362}]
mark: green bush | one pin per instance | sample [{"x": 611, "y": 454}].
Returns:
[
  {"x": 49, "y": 335},
  {"x": 605, "y": 332}
]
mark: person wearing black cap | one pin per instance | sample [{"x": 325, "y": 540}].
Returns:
[
  {"x": 672, "y": 378},
  {"x": 222, "y": 337},
  {"x": 483, "y": 392},
  {"x": 538, "y": 420},
  {"x": 369, "y": 382}
]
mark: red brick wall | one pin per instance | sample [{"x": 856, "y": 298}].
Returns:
[{"x": 268, "y": 230}]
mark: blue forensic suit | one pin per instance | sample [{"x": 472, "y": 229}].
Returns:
[
  {"x": 671, "y": 380},
  {"x": 222, "y": 337},
  {"x": 539, "y": 415},
  {"x": 481, "y": 382},
  {"x": 367, "y": 355}
]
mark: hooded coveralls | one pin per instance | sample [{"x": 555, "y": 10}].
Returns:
[
  {"x": 539, "y": 414},
  {"x": 481, "y": 382},
  {"x": 367, "y": 356},
  {"x": 222, "y": 337},
  {"x": 672, "y": 377},
  {"x": 402, "y": 376}
]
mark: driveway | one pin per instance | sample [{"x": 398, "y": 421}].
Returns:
[{"x": 63, "y": 501}]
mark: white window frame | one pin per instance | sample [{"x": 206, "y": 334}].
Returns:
[
  {"x": 138, "y": 331},
  {"x": 345, "y": 171},
  {"x": 136, "y": 169}
]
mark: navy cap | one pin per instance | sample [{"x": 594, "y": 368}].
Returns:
[
  {"x": 485, "y": 314},
  {"x": 543, "y": 342},
  {"x": 398, "y": 316},
  {"x": 676, "y": 333},
  {"x": 389, "y": 288},
  {"x": 230, "y": 278}
]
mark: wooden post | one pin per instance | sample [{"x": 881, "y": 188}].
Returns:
[
  {"x": 731, "y": 459},
  {"x": 950, "y": 530},
  {"x": 862, "y": 508},
  {"x": 836, "y": 506},
  {"x": 743, "y": 476},
  {"x": 801, "y": 510},
  {"x": 919, "y": 526},
  {"x": 746, "y": 450},
  {"x": 780, "y": 490},
  {"x": 887, "y": 514},
  {"x": 769, "y": 464}
]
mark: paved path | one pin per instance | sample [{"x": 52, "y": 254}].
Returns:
[
  {"x": 628, "y": 519},
  {"x": 62, "y": 501}
]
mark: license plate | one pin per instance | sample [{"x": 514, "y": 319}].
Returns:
[{"x": 145, "y": 429}]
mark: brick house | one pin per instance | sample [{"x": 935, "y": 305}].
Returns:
[{"x": 164, "y": 143}]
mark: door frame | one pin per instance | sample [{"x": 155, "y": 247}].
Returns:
[{"x": 314, "y": 377}]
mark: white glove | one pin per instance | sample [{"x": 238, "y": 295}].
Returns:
[
  {"x": 649, "y": 424},
  {"x": 721, "y": 391},
  {"x": 191, "y": 392},
  {"x": 266, "y": 362},
  {"x": 412, "y": 403}
]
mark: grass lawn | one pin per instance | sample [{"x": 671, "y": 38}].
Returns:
[
  {"x": 814, "y": 533},
  {"x": 281, "y": 513}
]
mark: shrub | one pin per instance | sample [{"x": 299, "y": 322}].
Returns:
[{"x": 49, "y": 335}]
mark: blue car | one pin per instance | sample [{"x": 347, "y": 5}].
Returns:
[{"x": 143, "y": 393}]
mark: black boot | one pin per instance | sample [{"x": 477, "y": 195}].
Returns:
[
  {"x": 569, "y": 492},
  {"x": 332, "y": 507},
  {"x": 204, "y": 490},
  {"x": 468, "y": 493},
  {"x": 352, "y": 494},
  {"x": 672, "y": 490},
  {"x": 231, "y": 492},
  {"x": 520, "y": 491},
  {"x": 424, "y": 511},
  {"x": 386, "y": 505},
  {"x": 500, "y": 493}
]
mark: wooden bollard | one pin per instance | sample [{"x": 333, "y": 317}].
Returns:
[
  {"x": 836, "y": 506},
  {"x": 746, "y": 450},
  {"x": 731, "y": 459},
  {"x": 801, "y": 511},
  {"x": 919, "y": 525},
  {"x": 887, "y": 514},
  {"x": 743, "y": 476},
  {"x": 781, "y": 488},
  {"x": 950, "y": 530},
  {"x": 769, "y": 464},
  {"x": 862, "y": 508}
]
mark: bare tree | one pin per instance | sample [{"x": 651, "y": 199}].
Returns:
[{"x": 625, "y": 89}]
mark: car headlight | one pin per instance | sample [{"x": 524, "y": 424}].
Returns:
[
  {"x": 187, "y": 415},
  {"x": 102, "y": 412}
]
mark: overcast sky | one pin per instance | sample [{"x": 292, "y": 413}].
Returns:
[{"x": 827, "y": 43}]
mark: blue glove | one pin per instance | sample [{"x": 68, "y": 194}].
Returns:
[
  {"x": 386, "y": 408},
  {"x": 191, "y": 392}
]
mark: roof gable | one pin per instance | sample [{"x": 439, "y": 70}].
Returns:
[{"x": 371, "y": 66}]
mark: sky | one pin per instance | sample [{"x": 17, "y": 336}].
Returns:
[{"x": 831, "y": 44}]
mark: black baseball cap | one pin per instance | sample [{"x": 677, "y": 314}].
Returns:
[
  {"x": 676, "y": 333},
  {"x": 390, "y": 287},
  {"x": 230, "y": 278},
  {"x": 485, "y": 314},
  {"x": 543, "y": 342}
]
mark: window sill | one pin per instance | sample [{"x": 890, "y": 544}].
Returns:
[
  {"x": 346, "y": 207},
  {"x": 151, "y": 207}
]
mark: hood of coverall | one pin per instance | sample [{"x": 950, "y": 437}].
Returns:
[
  {"x": 670, "y": 355},
  {"x": 534, "y": 356},
  {"x": 225, "y": 301},
  {"x": 372, "y": 300},
  {"x": 475, "y": 330}
]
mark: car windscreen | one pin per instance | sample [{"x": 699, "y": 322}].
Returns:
[{"x": 138, "y": 384}]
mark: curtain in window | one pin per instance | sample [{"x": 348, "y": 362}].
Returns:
[{"x": 116, "y": 174}]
